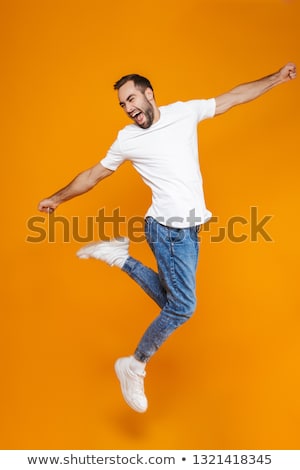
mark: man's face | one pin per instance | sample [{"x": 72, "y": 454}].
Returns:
[{"x": 136, "y": 104}]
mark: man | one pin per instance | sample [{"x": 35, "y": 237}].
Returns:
[{"x": 162, "y": 146}]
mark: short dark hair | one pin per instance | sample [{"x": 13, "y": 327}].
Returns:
[{"x": 140, "y": 82}]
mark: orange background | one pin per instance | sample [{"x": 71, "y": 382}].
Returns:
[{"x": 229, "y": 379}]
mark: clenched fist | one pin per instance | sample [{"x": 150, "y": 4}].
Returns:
[
  {"x": 288, "y": 72},
  {"x": 47, "y": 205}
]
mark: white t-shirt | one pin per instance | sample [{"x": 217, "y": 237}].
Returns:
[{"x": 166, "y": 157}]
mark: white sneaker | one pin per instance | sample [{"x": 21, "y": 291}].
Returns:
[
  {"x": 114, "y": 252},
  {"x": 132, "y": 385}
]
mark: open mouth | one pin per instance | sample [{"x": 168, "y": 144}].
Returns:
[{"x": 138, "y": 116}]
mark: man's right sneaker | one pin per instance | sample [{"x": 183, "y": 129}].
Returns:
[
  {"x": 113, "y": 252},
  {"x": 132, "y": 385}
]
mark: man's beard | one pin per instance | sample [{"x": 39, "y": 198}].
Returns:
[{"x": 149, "y": 116}]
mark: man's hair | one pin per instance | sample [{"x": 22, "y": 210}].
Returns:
[{"x": 140, "y": 82}]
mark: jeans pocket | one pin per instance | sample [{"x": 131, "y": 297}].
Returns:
[{"x": 194, "y": 233}]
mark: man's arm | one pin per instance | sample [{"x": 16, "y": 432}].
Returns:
[
  {"x": 249, "y": 91},
  {"x": 79, "y": 185}
]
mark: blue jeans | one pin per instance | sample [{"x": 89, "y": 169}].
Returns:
[{"x": 172, "y": 287}]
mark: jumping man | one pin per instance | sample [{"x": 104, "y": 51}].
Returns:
[{"x": 162, "y": 146}]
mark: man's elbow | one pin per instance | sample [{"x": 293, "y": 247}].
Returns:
[
  {"x": 223, "y": 108},
  {"x": 97, "y": 173}
]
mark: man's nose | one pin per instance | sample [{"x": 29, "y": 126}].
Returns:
[{"x": 128, "y": 108}]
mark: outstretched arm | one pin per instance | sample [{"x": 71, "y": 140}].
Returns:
[
  {"x": 249, "y": 91},
  {"x": 79, "y": 185}
]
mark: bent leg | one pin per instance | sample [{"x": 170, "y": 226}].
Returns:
[{"x": 147, "y": 279}]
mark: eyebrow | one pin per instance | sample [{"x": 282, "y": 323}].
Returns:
[{"x": 128, "y": 98}]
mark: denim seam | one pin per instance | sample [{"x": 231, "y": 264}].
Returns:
[{"x": 173, "y": 270}]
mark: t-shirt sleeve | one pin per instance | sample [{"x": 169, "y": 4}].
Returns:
[
  {"x": 204, "y": 109},
  {"x": 114, "y": 157}
]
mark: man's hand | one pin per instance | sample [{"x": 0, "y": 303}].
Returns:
[
  {"x": 288, "y": 72},
  {"x": 47, "y": 205}
]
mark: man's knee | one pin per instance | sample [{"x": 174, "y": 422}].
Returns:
[
  {"x": 189, "y": 307},
  {"x": 184, "y": 306}
]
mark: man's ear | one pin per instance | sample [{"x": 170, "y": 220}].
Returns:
[{"x": 149, "y": 94}]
